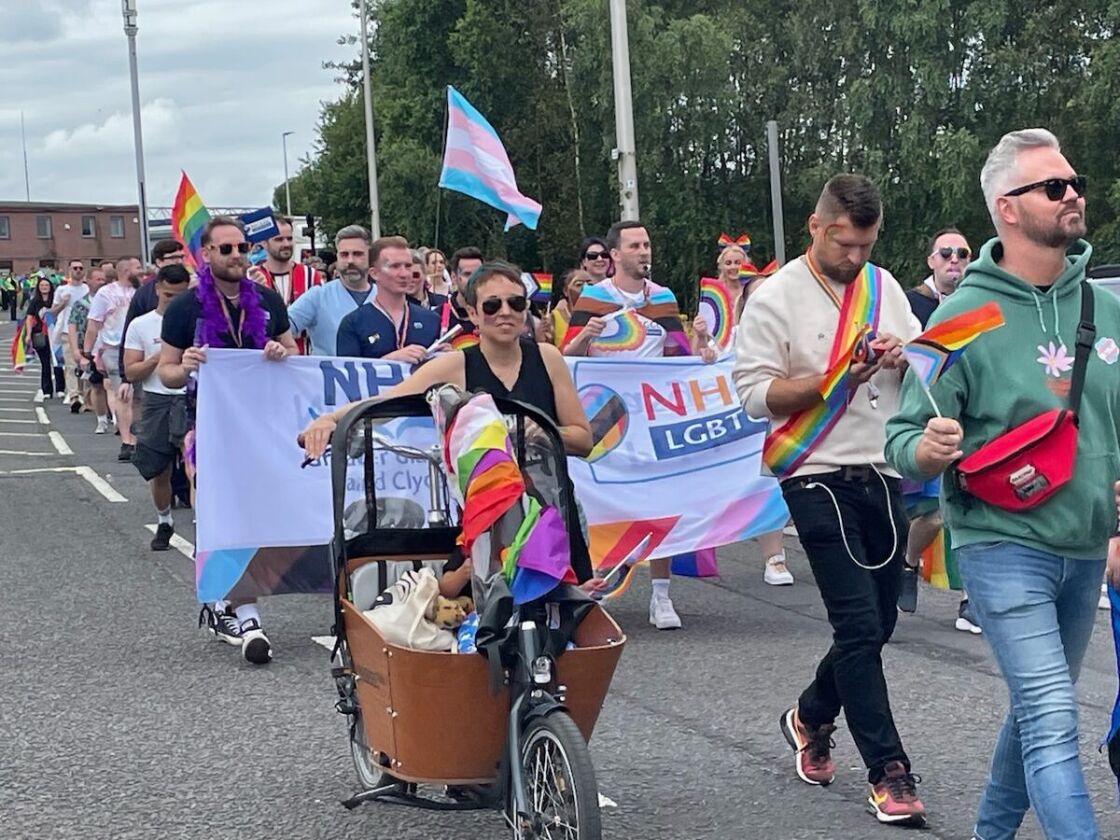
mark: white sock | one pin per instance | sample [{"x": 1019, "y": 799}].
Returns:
[
  {"x": 165, "y": 517},
  {"x": 660, "y": 587},
  {"x": 247, "y": 611}
]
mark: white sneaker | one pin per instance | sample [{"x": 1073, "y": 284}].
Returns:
[
  {"x": 102, "y": 427},
  {"x": 790, "y": 530},
  {"x": 776, "y": 573},
  {"x": 662, "y": 615},
  {"x": 1104, "y": 603},
  {"x": 255, "y": 646}
]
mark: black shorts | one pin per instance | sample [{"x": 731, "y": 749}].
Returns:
[
  {"x": 159, "y": 433},
  {"x": 95, "y": 377}
]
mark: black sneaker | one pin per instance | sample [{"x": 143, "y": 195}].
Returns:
[
  {"x": 966, "y": 619},
  {"x": 255, "y": 646},
  {"x": 224, "y": 625},
  {"x": 162, "y": 540},
  {"x": 75, "y": 407},
  {"x": 126, "y": 452},
  {"x": 908, "y": 593}
]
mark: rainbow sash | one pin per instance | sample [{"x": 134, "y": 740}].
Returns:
[{"x": 787, "y": 447}]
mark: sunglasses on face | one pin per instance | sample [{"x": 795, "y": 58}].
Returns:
[
  {"x": 491, "y": 306},
  {"x": 1055, "y": 187},
  {"x": 227, "y": 249},
  {"x": 77, "y": 268},
  {"x": 596, "y": 255},
  {"x": 947, "y": 253}
]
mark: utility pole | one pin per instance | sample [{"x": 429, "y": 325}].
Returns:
[
  {"x": 287, "y": 188},
  {"x": 128, "y": 9},
  {"x": 624, "y": 152},
  {"x": 776, "y": 192},
  {"x": 371, "y": 148},
  {"x": 26, "y": 174}
]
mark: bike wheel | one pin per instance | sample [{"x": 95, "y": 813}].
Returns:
[
  {"x": 370, "y": 774},
  {"x": 560, "y": 780}
]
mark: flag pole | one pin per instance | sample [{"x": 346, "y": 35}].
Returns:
[
  {"x": 929, "y": 396},
  {"x": 371, "y": 148},
  {"x": 439, "y": 189}
]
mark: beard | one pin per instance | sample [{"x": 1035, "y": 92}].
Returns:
[
  {"x": 282, "y": 254},
  {"x": 232, "y": 272},
  {"x": 1056, "y": 233},
  {"x": 843, "y": 274}
]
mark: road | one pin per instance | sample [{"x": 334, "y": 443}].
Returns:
[{"x": 123, "y": 720}]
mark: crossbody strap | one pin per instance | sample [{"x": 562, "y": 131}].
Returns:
[{"x": 1086, "y": 332}]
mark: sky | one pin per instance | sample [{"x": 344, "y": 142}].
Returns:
[{"x": 220, "y": 81}]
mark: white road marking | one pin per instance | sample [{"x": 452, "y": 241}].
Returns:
[
  {"x": 60, "y": 443},
  {"x": 31, "y": 454},
  {"x": 42, "y": 415},
  {"x": 32, "y": 470},
  {"x": 606, "y": 802},
  {"x": 15, "y": 410},
  {"x": 99, "y": 484},
  {"x": 184, "y": 547},
  {"x": 15, "y": 400},
  {"x": 325, "y": 641},
  {"x": 19, "y": 393},
  {"x": 38, "y": 398},
  {"x": 21, "y": 434},
  {"x": 13, "y": 420}
]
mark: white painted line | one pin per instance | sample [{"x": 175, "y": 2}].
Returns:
[
  {"x": 38, "y": 398},
  {"x": 99, "y": 484},
  {"x": 16, "y": 400},
  {"x": 15, "y": 410},
  {"x": 20, "y": 393},
  {"x": 42, "y": 415},
  {"x": 606, "y": 802},
  {"x": 60, "y": 443},
  {"x": 39, "y": 470},
  {"x": 21, "y": 434},
  {"x": 13, "y": 420},
  {"x": 30, "y": 454},
  {"x": 325, "y": 641},
  {"x": 184, "y": 547}
]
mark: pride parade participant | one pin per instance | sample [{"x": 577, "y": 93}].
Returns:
[
  {"x": 652, "y": 316},
  {"x": 797, "y": 338},
  {"x": 225, "y": 310},
  {"x": 1032, "y": 572}
]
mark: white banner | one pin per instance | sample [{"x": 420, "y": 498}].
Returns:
[{"x": 676, "y": 463}]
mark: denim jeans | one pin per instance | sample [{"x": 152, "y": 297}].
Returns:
[
  {"x": 839, "y": 518},
  {"x": 1037, "y": 612}
]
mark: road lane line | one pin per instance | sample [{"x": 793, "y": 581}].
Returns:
[
  {"x": 16, "y": 410},
  {"x": 18, "y": 393},
  {"x": 29, "y": 454},
  {"x": 17, "y": 400},
  {"x": 38, "y": 398},
  {"x": 99, "y": 484},
  {"x": 21, "y": 434},
  {"x": 184, "y": 547},
  {"x": 31, "y": 470},
  {"x": 14, "y": 420},
  {"x": 42, "y": 415},
  {"x": 60, "y": 443}
]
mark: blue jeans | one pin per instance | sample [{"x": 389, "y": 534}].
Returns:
[{"x": 1037, "y": 612}]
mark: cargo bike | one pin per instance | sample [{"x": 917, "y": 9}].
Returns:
[{"x": 505, "y": 728}]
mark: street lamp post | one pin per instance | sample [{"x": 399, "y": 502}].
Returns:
[
  {"x": 371, "y": 149},
  {"x": 287, "y": 187},
  {"x": 625, "y": 152},
  {"x": 128, "y": 10}
]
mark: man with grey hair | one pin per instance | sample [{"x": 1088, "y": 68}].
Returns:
[
  {"x": 321, "y": 310},
  {"x": 1032, "y": 575}
]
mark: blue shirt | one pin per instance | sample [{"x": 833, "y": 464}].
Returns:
[
  {"x": 320, "y": 310},
  {"x": 370, "y": 333}
]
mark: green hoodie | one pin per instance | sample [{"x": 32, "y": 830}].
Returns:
[{"x": 1006, "y": 377}]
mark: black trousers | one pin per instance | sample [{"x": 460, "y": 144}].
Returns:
[
  {"x": 46, "y": 370},
  {"x": 857, "y": 506}
]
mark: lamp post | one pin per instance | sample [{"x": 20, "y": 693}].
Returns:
[
  {"x": 371, "y": 149},
  {"x": 128, "y": 10},
  {"x": 287, "y": 188},
  {"x": 624, "y": 151}
]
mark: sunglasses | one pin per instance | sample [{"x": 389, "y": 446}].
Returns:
[
  {"x": 491, "y": 306},
  {"x": 597, "y": 255},
  {"x": 947, "y": 253},
  {"x": 1055, "y": 187},
  {"x": 77, "y": 268},
  {"x": 227, "y": 249}
]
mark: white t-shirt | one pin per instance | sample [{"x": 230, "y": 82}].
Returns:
[
  {"x": 654, "y": 344},
  {"x": 143, "y": 335},
  {"x": 66, "y": 294},
  {"x": 110, "y": 307}
]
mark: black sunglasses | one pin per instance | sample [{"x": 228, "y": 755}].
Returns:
[
  {"x": 517, "y": 303},
  {"x": 1055, "y": 187},
  {"x": 77, "y": 268},
  {"x": 227, "y": 249},
  {"x": 597, "y": 255},
  {"x": 962, "y": 253}
]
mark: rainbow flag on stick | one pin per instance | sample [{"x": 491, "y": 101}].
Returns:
[
  {"x": 19, "y": 346},
  {"x": 188, "y": 217},
  {"x": 715, "y": 307},
  {"x": 938, "y": 348}
]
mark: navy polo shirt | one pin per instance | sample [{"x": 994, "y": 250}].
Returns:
[{"x": 369, "y": 333}]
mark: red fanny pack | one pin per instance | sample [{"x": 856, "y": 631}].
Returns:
[{"x": 1027, "y": 465}]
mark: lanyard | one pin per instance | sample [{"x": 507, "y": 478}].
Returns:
[
  {"x": 822, "y": 282},
  {"x": 234, "y": 333},
  {"x": 401, "y": 328}
]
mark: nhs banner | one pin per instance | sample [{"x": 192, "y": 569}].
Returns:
[{"x": 675, "y": 463}]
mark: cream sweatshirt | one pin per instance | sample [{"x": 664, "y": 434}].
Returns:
[{"x": 786, "y": 332}]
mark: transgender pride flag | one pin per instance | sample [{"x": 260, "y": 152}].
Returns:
[{"x": 475, "y": 163}]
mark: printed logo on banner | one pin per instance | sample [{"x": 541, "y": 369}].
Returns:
[
  {"x": 609, "y": 419},
  {"x": 260, "y": 225}
]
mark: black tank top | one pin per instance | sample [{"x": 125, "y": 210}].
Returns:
[{"x": 533, "y": 385}]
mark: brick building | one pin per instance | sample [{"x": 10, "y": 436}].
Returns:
[{"x": 44, "y": 234}]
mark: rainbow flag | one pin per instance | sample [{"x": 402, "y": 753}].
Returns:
[
  {"x": 939, "y": 568},
  {"x": 463, "y": 340},
  {"x": 715, "y": 307},
  {"x": 188, "y": 217},
  {"x": 787, "y": 447},
  {"x": 939, "y": 347},
  {"x": 544, "y": 285},
  {"x": 19, "y": 346},
  {"x": 624, "y": 331}
]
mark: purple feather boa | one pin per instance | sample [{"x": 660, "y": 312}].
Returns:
[{"x": 213, "y": 323}]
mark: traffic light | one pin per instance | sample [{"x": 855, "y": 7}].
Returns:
[{"x": 309, "y": 231}]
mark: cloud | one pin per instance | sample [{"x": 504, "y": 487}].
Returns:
[{"x": 158, "y": 119}]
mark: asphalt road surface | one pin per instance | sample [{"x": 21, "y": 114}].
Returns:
[{"x": 122, "y": 720}]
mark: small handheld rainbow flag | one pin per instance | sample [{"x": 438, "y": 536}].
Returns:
[
  {"x": 188, "y": 217},
  {"x": 624, "y": 331},
  {"x": 715, "y": 307},
  {"x": 19, "y": 346},
  {"x": 938, "y": 348},
  {"x": 544, "y": 285}
]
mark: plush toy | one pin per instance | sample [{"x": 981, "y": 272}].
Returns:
[{"x": 449, "y": 613}]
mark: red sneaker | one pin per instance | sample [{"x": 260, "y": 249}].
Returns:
[
  {"x": 812, "y": 747},
  {"x": 895, "y": 799}
]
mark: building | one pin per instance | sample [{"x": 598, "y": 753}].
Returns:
[{"x": 37, "y": 235}]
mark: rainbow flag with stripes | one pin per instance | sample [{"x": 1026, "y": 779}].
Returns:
[
  {"x": 787, "y": 447},
  {"x": 18, "y": 349},
  {"x": 938, "y": 348},
  {"x": 939, "y": 568},
  {"x": 715, "y": 307},
  {"x": 544, "y": 285},
  {"x": 188, "y": 217}
]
